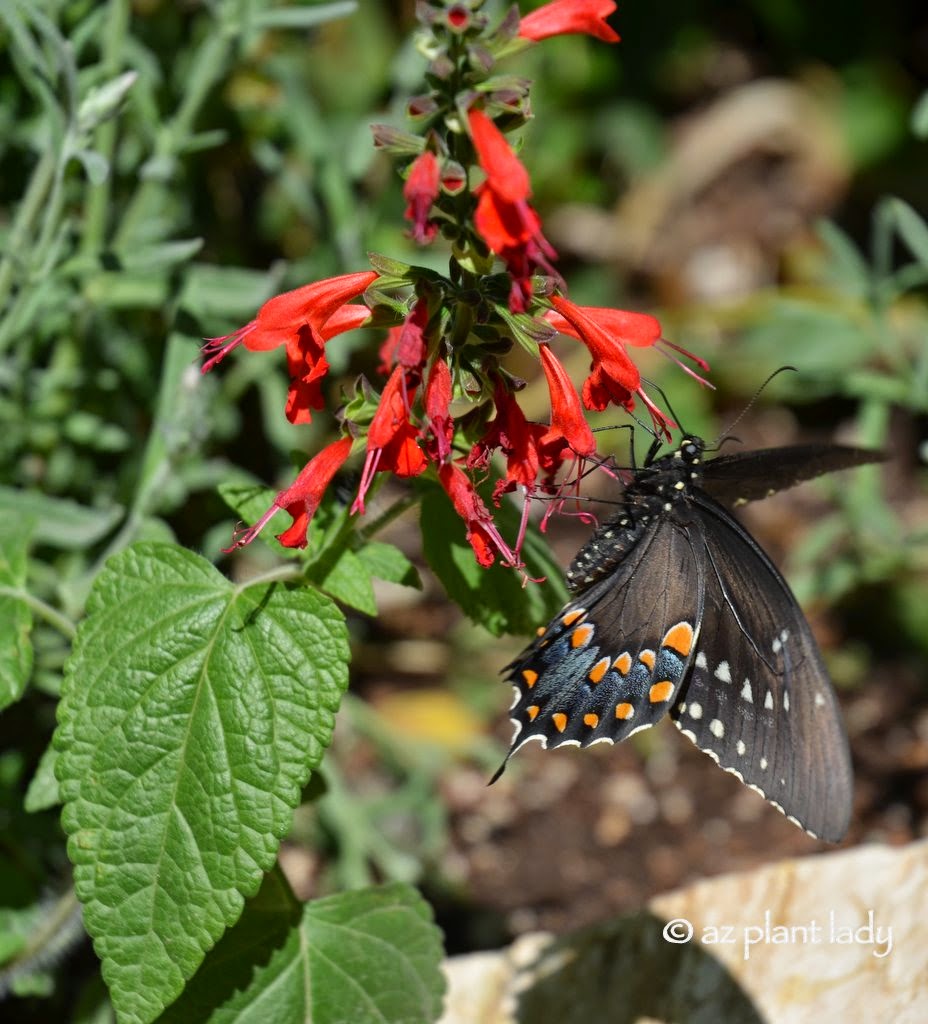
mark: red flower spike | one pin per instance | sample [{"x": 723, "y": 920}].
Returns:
[
  {"x": 566, "y": 17},
  {"x": 420, "y": 191},
  {"x": 503, "y": 218},
  {"x": 482, "y": 534},
  {"x": 391, "y": 437},
  {"x": 301, "y": 499},
  {"x": 437, "y": 405},
  {"x": 568, "y": 424}
]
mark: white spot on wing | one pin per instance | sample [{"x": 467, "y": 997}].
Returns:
[
  {"x": 768, "y": 701},
  {"x": 701, "y": 660},
  {"x": 696, "y": 710},
  {"x": 763, "y": 764},
  {"x": 819, "y": 699},
  {"x": 746, "y": 691},
  {"x": 723, "y": 672},
  {"x": 717, "y": 728},
  {"x": 785, "y": 701},
  {"x": 740, "y": 747}
]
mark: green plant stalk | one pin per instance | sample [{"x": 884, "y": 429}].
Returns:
[
  {"x": 98, "y": 196},
  {"x": 209, "y": 66}
]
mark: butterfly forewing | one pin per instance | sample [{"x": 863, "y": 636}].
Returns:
[
  {"x": 748, "y": 476},
  {"x": 612, "y": 661},
  {"x": 758, "y": 699}
]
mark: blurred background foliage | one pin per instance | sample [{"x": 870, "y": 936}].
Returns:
[{"x": 751, "y": 173}]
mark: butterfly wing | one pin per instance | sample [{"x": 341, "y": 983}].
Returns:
[
  {"x": 748, "y": 476},
  {"x": 758, "y": 699},
  {"x": 613, "y": 660}
]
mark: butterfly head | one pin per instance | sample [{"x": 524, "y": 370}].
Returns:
[{"x": 690, "y": 450}]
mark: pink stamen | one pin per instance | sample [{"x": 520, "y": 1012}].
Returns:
[
  {"x": 221, "y": 347},
  {"x": 243, "y": 535},
  {"x": 371, "y": 463},
  {"x": 701, "y": 363},
  {"x": 683, "y": 366}
]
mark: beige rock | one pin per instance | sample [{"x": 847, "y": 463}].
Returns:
[{"x": 838, "y": 937}]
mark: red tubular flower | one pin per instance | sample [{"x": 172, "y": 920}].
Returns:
[
  {"x": 420, "y": 191},
  {"x": 298, "y": 320},
  {"x": 437, "y": 406},
  {"x": 482, "y": 534},
  {"x": 613, "y": 376},
  {"x": 568, "y": 425},
  {"x": 565, "y": 17},
  {"x": 503, "y": 218},
  {"x": 391, "y": 437},
  {"x": 301, "y": 499}
]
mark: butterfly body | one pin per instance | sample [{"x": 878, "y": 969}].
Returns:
[{"x": 676, "y": 610}]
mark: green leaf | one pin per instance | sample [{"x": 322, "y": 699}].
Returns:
[
  {"x": 192, "y": 714},
  {"x": 59, "y": 523},
  {"x": 349, "y": 581},
  {"x": 919, "y": 120},
  {"x": 493, "y": 597},
  {"x": 912, "y": 229},
  {"x": 387, "y": 562},
  {"x": 43, "y": 791},
  {"x": 15, "y": 613},
  {"x": 846, "y": 266},
  {"x": 304, "y": 17},
  {"x": 371, "y": 956}
]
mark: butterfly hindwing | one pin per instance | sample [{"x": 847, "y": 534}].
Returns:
[
  {"x": 758, "y": 699},
  {"x": 613, "y": 660}
]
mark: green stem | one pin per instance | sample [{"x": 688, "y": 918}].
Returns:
[
  {"x": 279, "y": 574},
  {"x": 45, "y": 611},
  {"x": 386, "y": 517},
  {"x": 29, "y": 209}
]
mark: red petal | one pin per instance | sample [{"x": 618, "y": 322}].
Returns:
[
  {"x": 563, "y": 17},
  {"x": 502, "y": 167},
  {"x": 567, "y": 419},
  {"x": 302, "y": 497}
]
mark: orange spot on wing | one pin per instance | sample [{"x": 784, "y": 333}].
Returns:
[
  {"x": 623, "y": 663},
  {"x": 540, "y": 631},
  {"x": 560, "y": 720},
  {"x": 532, "y": 712},
  {"x": 598, "y": 670},
  {"x": 679, "y": 638},
  {"x": 571, "y": 617},
  {"x": 647, "y": 658},
  {"x": 530, "y": 677},
  {"x": 660, "y": 691},
  {"x": 624, "y": 711},
  {"x": 580, "y": 636},
  {"x": 591, "y": 720}
]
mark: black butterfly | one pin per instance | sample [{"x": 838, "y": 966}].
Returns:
[{"x": 676, "y": 608}]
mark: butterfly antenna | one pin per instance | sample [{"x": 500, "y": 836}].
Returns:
[
  {"x": 670, "y": 409},
  {"x": 750, "y": 404}
]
